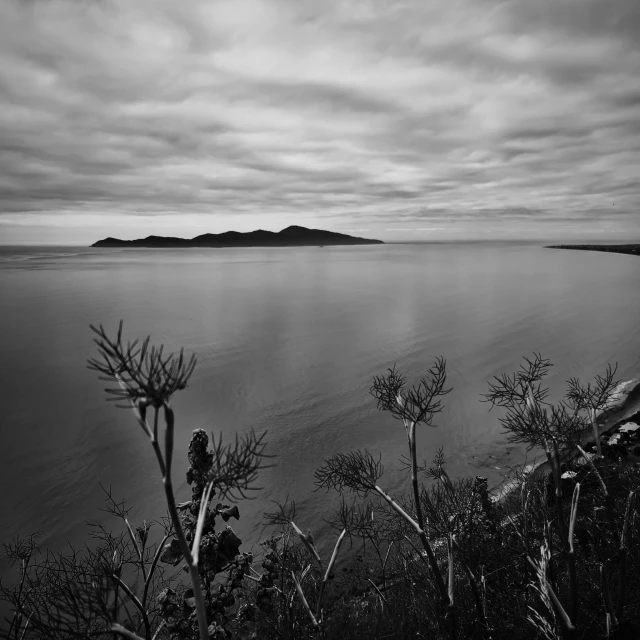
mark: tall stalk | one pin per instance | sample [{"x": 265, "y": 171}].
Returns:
[
  {"x": 596, "y": 434},
  {"x": 148, "y": 378},
  {"x": 422, "y": 534},
  {"x": 194, "y": 574},
  {"x": 622, "y": 579},
  {"x": 573, "y": 582}
]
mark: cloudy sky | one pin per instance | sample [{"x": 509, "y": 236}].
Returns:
[{"x": 395, "y": 119}]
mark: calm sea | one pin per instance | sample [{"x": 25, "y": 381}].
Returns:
[{"x": 288, "y": 341}]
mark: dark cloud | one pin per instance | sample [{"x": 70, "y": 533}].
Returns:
[
  {"x": 229, "y": 112},
  {"x": 627, "y": 100},
  {"x": 580, "y": 18}
]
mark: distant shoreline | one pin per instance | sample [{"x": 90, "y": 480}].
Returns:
[{"x": 629, "y": 249}]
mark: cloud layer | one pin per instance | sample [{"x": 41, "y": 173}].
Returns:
[{"x": 458, "y": 118}]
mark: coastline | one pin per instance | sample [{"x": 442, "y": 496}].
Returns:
[
  {"x": 629, "y": 249},
  {"x": 624, "y": 404}
]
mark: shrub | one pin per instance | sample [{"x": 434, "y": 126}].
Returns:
[{"x": 556, "y": 557}]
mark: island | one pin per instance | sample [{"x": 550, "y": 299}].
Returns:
[
  {"x": 293, "y": 236},
  {"x": 631, "y": 249}
]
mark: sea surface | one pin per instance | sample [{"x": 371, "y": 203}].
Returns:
[{"x": 288, "y": 340}]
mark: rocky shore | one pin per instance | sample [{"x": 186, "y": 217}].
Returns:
[
  {"x": 619, "y": 424},
  {"x": 618, "y": 429}
]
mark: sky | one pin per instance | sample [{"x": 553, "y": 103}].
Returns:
[{"x": 403, "y": 120}]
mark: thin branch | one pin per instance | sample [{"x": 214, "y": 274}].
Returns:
[
  {"x": 125, "y": 633},
  {"x": 204, "y": 505},
  {"x": 314, "y": 621},
  {"x": 382, "y": 598}
]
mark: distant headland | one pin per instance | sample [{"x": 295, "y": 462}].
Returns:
[
  {"x": 631, "y": 249},
  {"x": 293, "y": 236}
]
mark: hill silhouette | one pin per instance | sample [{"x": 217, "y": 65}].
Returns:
[{"x": 295, "y": 236}]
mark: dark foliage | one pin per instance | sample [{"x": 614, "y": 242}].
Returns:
[{"x": 556, "y": 557}]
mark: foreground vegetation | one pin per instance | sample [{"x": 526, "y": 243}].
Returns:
[{"x": 556, "y": 557}]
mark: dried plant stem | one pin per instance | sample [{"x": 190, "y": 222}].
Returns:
[
  {"x": 551, "y": 451},
  {"x": 423, "y": 538},
  {"x": 165, "y": 467},
  {"x": 138, "y": 549},
  {"x": 16, "y": 614},
  {"x": 325, "y": 579},
  {"x": 384, "y": 565},
  {"x": 596, "y": 434},
  {"x": 193, "y": 568},
  {"x": 414, "y": 474},
  {"x": 125, "y": 633},
  {"x": 152, "y": 569},
  {"x": 26, "y": 626},
  {"x": 573, "y": 583},
  {"x": 204, "y": 502},
  {"x": 383, "y": 600},
  {"x": 447, "y": 597},
  {"x": 158, "y": 630},
  {"x": 622, "y": 573},
  {"x": 475, "y": 592},
  {"x": 136, "y": 603},
  {"x": 314, "y": 621},
  {"x": 450, "y": 565},
  {"x": 557, "y": 606},
  {"x": 420, "y": 518},
  {"x": 562, "y": 614},
  {"x": 307, "y": 543},
  {"x": 419, "y": 553},
  {"x": 606, "y": 596},
  {"x": 153, "y": 437},
  {"x": 603, "y": 485},
  {"x": 450, "y": 579}
]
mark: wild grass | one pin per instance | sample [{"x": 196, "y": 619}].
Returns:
[{"x": 556, "y": 557}]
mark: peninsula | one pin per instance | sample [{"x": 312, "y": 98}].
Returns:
[
  {"x": 293, "y": 236},
  {"x": 632, "y": 249}
]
